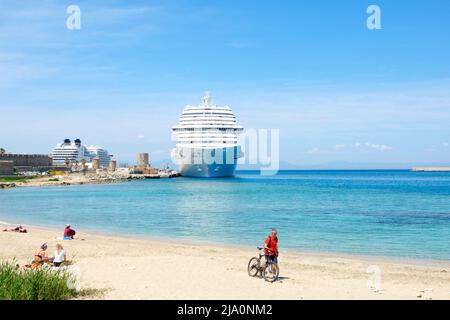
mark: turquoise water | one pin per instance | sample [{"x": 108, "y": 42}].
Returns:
[{"x": 382, "y": 213}]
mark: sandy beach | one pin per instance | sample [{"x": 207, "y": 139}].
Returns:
[{"x": 131, "y": 268}]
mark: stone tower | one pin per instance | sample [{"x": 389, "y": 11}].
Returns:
[{"x": 142, "y": 160}]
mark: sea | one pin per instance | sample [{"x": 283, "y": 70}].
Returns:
[{"x": 383, "y": 213}]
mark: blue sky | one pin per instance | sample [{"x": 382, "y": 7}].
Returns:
[{"x": 336, "y": 90}]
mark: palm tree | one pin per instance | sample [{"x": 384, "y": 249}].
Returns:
[{"x": 2, "y": 151}]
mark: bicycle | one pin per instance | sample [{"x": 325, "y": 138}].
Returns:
[{"x": 267, "y": 270}]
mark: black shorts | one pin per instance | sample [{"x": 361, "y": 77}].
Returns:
[
  {"x": 272, "y": 259},
  {"x": 57, "y": 264}
]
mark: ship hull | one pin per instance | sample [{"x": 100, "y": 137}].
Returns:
[
  {"x": 193, "y": 162},
  {"x": 207, "y": 170}
]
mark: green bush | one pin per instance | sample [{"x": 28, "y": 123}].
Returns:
[
  {"x": 38, "y": 284},
  {"x": 14, "y": 179}
]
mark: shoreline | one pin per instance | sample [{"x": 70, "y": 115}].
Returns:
[
  {"x": 77, "y": 179},
  {"x": 63, "y": 180},
  {"x": 210, "y": 243},
  {"x": 142, "y": 268}
]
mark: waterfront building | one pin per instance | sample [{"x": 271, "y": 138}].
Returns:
[{"x": 100, "y": 153}]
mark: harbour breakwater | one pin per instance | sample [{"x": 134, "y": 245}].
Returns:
[{"x": 432, "y": 169}]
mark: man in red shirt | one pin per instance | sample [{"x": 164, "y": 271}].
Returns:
[{"x": 271, "y": 247}]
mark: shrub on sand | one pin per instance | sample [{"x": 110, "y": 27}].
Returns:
[{"x": 38, "y": 284}]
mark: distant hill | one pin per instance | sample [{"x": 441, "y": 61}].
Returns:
[
  {"x": 332, "y": 165},
  {"x": 342, "y": 165}
]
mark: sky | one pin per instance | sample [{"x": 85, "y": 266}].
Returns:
[{"x": 337, "y": 91}]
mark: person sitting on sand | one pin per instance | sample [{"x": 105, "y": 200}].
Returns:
[
  {"x": 19, "y": 229},
  {"x": 69, "y": 233},
  {"x": 60, "y": 256},
  {"x": 40, "y": 257}
]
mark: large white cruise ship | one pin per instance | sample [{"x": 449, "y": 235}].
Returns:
[{"x": 207, "y": 141}]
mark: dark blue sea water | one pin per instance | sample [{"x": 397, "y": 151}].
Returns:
[{"x": 382, "y": 213}]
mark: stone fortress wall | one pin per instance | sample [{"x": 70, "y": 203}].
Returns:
[
  {"x": 27, "y": 160},
  {"x": 6, "y": 168}
]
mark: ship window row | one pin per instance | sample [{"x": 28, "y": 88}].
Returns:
[
  {"x": 208, "y": 119},
  {"x": 199, "y": 113},
  {"x": 205, "y": 140},
  {"x": 230, "y": 131},
  {"x": 223, "y": 109},
  {"x": 184, "y": 119},
  {"x": 207, "y": 137},
  {"x": 204, "y": 115},
  {"x": 181, "y": 128},
  {"x": 210, "y": 142},
  {"x": 225, "y": 113},
  {"x": 209, "y": 134},
  {"x": 203, "y": 123},
  {"x": 207, "y": 126}
]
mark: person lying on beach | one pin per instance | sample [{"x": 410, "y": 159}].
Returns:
[
  {"x": 69, "y": 233},
  {"x": 40, "y": 257},
  {"x": 19, "y": 229},
  {"x": 60, "y": 256}
]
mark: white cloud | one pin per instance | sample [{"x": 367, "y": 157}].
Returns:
[
  {"x": 361, "y": 147},
  {"x": 140, "y": 136},
  {"x": 313, "y": 151},
  {"x": 438, "y": 147},
  {"x": 379, "y": 147},
  {"x": 372, "y": 146}
]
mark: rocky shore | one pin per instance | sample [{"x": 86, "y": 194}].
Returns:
[
  {"x": 80, "y": 179},
  {"x": 7, "y": 185}
]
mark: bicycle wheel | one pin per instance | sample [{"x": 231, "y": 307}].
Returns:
[
  {"x": 271, "y": 272},
  {"x": 253, "y": 267}
]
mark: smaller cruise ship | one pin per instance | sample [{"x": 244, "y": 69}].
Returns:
[
  {"x": 73, "y": 152},
  {"x": 100, "y": 153}
]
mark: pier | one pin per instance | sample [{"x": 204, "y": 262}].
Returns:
[
  {"x": 154, "y": 176},
  {"x": 431, "y": 169}
]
